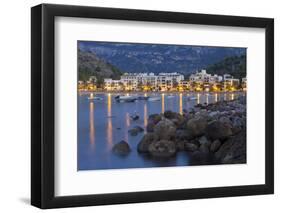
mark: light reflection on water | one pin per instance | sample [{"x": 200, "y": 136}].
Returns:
[
  {"x": 92, "y": 123},
  {"x": 163, "y": 102},
  {"x": 180, "y": 104},
  {"x": 109, "y": 122},
  {"x": 145, "y": 116},
  {"x": 102, "y": 123}
]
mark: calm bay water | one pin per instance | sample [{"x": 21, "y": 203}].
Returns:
[{"x": 103, "y": 123}]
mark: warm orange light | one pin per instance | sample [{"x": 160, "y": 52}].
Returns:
[{"x": 180, "y": 104}]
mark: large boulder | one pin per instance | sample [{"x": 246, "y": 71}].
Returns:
[
  {"x": 218, "y": 130},
  {"x": 214, "y": 114},
  {"x": 215, "y": 146},
  {"x": 204, "y": 148},
  {"x": 203, "y": 140},
  {"x": 165, "y": 129},
  {"x": 170, "y": 115},
  {"x": 190, "y": 147},
  {"x": 182, "y": 134},
  {"x": 196, "y": 127},
  {"x": 179, "y": 121},
  {"x": 233, "y": 150},
  {"x": 121, "y": 148},
  {"x": 150, "y": 127},
  {"x": 154, "y": 118},
  {"x": 152, "y": 121},
  {"x": 146, "y": 141},
  {"x": 162, "y": 148},
  {"x": 225, "y": 120},
  {"x": 238, "y": 122}
]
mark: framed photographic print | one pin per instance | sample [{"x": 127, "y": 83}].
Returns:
[{"x": 139, "y": 106}]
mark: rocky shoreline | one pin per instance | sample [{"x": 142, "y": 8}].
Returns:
[{"x": 209, "y": 133}]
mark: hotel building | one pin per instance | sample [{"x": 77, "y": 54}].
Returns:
[
  {"x": 145, "y": 81},
  {"x": 203, "y": 77},
  {"x": 199, "y": 81},
  {"x": 231, "y": 82},
  {"x": 112, "y": 85}
]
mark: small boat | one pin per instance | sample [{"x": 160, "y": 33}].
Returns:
[
  {"x": 92, "y": 97},
  {"x": 95, "y": 98},
  {"x": 154, "y": 98},
  {"x": 170, "y": 96},
  {"x": 143, "y": 98},
  {"x": 119, "y": 98},
  {"x": 192, "y": 98}
]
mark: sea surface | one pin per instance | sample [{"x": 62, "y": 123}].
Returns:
[{"x": 103, "y": 123}]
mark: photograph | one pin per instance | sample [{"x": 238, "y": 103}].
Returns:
[
  {"x": 171, "y": 105},
  {"x": 160, "y": 105}
]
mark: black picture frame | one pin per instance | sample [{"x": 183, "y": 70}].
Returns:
[{"x": 43, "y": 105}]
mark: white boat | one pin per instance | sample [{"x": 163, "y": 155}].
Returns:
[
  {"x": 95, "y": 98},
  {"x": 193, "y": 98},
  {"x": 154, "y": 98},
  {"x": 170, "y": 96},
  {"x": 125, "y": 98}
]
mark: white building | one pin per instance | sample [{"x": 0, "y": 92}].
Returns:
[
  {"x": 230, "y": 81},
  {"x": 203, "y": 77},
  {"x": 111, "y": 85},
  {"x": 134, "y": 81},
  {"x": 168, "y": 81},
  {"x": 184, "y": 85}
]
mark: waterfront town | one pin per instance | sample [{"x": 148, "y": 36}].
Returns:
[{"x": 199, "y": 81}]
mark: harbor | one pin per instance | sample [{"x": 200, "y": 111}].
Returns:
[{"x": 104, "y": 121}]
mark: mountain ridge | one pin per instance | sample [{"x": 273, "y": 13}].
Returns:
[{"x": 159, "y": 58}]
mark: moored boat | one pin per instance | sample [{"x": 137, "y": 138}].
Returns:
[
  {"x": 92, "y": 97},
  {"x": 154, "y": 98},
  {"x": 143, "y": 98},
  {"x": 119, "y": 98},
  {"x": 192, "y": 98}
]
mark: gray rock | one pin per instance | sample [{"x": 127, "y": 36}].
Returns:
[
  {"x": 225, "y": 120},
  {"x": 162, "y": 148},
  {"x": 165, "y": 129},
  {"x": 154, "y": 118},
  {"x": 190, "y": 147},
  {"x": 121, "y": 148},
  {"x": 150, "y": 127},
  {"x": 204, "y": 148},
  {"x": 152, "y": 121},
  {"x": 203, "y": 140},
  {"x": 179, "y": 121},
  {"x": 169, "y": 114},
  {"x": 218, "y": 130},
  {"x": 214, "y": 114},
  {"x": 233, "y": 150},
  {"x": 235, "y": 130},
  {"x": 146, "y": 141},
  {"x": 237, "y": 122},
  {"x": 215, "y": 145},
  {"x": 182, "y": 134},
  {"x": 196, "y": 126}
]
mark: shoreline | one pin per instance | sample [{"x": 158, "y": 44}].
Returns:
[
  {"x": 210, "y": 134},
  {"x": 161, "y": 92}
]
